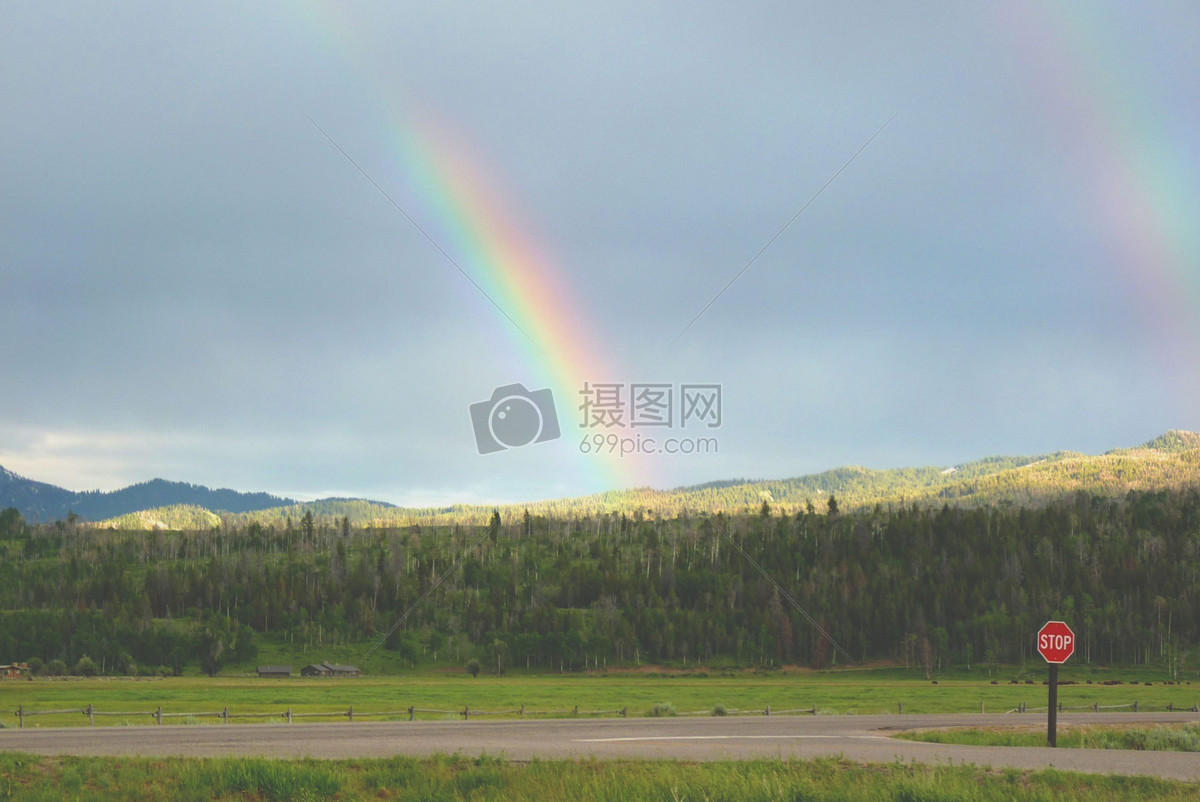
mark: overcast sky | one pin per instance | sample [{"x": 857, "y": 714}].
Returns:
[{"x": 195, "y": 283}]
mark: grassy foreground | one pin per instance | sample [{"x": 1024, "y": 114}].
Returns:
[
  {"x": 1165, "y": 737},
  {"x": 29, "y": 777},
  {"x": 837, "y": 691}
]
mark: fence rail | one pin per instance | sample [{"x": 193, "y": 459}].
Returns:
[
  {"x": 1170, "y": 707},
  {"x": 467, "y": 712}
]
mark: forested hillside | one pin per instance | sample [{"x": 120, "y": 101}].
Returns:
[
  {"x": 1171, "y": 460},
  {"x": 914, "y": 584},
  {"x": 180, "y": 517}
]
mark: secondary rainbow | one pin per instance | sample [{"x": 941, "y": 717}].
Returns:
[{"x": 1141, "y": 166}]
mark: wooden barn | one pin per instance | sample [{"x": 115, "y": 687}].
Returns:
[
  {"x": 274, "y": 671},
  {"x": 327, "y": 669}
]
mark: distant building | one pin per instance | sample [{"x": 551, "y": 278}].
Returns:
[
  {"x": 343, "y": 671},
  {"x": 327, "y": 669},
  {"x": 274, "y": 671},
  {"x": 14, "y": 670}
]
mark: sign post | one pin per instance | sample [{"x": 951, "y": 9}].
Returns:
[{"x": 1055, "y": 643}]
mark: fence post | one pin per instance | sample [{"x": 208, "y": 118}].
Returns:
[
  {"x": 767, "y": 712},
  {"x": 575, "y": 712},
  {"x": 1170, "y": 707},
  {"x": 158, "y": 715},
  {"x": 225, "y": 714},
  {"x": 521, "y": 712},
  {"x": 1135, "y": 705},
  {"x": 411, "y": 712},
  {"x": 350, "y": 713},
  {"x": 900, "y": 708},
  {"x": 466, "y": 714},
  {"x": 981, "y": 708},
  {"x": 289, "y": 715},
  {"x": 91, "y": 713},
  {"x": 1096, "y": 707},
  {"x": 624, "y": 712},
  {"x": 814, "y": 709},
  {"x": 20, "y": 717}
]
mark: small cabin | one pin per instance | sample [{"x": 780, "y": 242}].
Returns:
[
  {"x": 14, "y": 670},
  {"x": 327, "y": 669},
  {"x": 343, "y": 671}
]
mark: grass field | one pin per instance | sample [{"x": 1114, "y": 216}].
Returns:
[
  {"x": 835, "y": 691},
  {"x": 1172, "y": 738},
  {"x": 29, "y": 777}
]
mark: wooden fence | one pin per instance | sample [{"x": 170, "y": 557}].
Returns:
[
  {"x": 1096, "y": 708},
  {"x": 467, "y": 712},
  {"x": 411, "y": 713}
]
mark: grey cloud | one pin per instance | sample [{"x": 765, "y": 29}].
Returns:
[{"x": 184, "y": 259}]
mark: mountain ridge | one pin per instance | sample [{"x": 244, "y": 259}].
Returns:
[
  {"x": 1169, "y": 460},
  {"x": 42, "y": 502}
]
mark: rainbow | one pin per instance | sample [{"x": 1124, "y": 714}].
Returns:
[
  {"x": 546, "y": 324},
  {"x": 474, "y": 227},
  {"x": 1139, "y": 168}
]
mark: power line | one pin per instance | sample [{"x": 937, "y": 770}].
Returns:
[
  {"x": 400, "y": 621},
  {"x": 786, "y": 225},
  {"x": 416, "y": 225},
  {"x": 820, "y": 629}
]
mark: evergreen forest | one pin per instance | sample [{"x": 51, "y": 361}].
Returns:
[{"x": 923, "y": 586}]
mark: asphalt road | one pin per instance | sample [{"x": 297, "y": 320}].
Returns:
[{"x": 861, "y": 738}]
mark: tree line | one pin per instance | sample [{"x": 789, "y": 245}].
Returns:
[{"x": 927, "y": 587}]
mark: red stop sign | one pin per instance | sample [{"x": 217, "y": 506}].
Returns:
[{"x": 1055, "y": 642}]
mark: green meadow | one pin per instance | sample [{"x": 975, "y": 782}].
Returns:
[
  {"x": 33, "y": 778},
  {"x": 445, "y": 694},
  {"x": 1162, "y": 737},
  {"x": 877, "y": 690}
]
